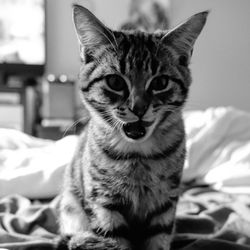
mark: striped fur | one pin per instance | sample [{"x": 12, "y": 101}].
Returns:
[{"x": 122, "y": 187}]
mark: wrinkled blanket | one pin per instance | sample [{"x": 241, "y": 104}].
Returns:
[{"x": 206, "y": 219}]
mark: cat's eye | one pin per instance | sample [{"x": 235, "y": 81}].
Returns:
[
  {"x": 159, "y": 83},
  {"x": 115, "y": 82}
]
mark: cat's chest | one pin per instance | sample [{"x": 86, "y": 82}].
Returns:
[
  {"x": 144, "y": 187},
  {"x": 140, "y": 184}
]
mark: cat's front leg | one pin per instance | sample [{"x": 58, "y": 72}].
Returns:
[
  {"x": 161, "y": 227},
  {"x": 90, "y": 241},
  {"x": 159, "y": 242},
  {"x": 109, "y": 224},
  {"x": 72, "y": 217},
  {"x": 80, "y": 230}
]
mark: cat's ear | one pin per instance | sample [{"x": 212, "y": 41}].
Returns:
[
  {"x": 184, "y": 35},
  {"x": 91, "y": 32}
]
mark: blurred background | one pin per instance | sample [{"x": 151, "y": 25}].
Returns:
[{"x": 39, "y": 59}]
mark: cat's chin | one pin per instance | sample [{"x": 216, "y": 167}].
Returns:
[{"x": 137, "y": 131}]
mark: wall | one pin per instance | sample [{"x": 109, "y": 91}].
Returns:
[
  {"x": 221, "y": 68},
  {"x": 62, "y": 45},
  {"x": 62, "y": 50},
  {"x": 220, "y": 64}
]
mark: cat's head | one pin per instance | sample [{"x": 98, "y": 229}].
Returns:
[{"x": 132, "y": 80}]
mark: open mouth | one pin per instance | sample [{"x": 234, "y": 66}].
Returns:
[{"x": 136, "y": 130}]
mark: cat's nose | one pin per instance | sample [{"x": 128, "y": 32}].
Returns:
[{"x": 139, "y": 107}]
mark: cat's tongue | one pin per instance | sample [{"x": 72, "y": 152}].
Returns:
[{"x": 134, "y": 130}]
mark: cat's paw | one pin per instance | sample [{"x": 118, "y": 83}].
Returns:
[{"x": 88, "y": 241}]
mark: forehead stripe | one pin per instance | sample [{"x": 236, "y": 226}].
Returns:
[{"x": 125, "y": 47}]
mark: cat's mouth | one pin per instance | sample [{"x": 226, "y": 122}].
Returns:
[{"x": 136, "y": 130}]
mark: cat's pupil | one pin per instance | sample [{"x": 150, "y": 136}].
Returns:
[
  {"x": 116, "y": 82},
  {"x": 159, "y": 83}
]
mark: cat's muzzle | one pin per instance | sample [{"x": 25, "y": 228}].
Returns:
[{"x": 136, "y": 130}]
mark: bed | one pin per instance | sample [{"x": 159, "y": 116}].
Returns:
[{"x": 213, "y": 211}]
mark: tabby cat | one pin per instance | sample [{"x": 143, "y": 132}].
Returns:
[{"x": 121, "y": 190}]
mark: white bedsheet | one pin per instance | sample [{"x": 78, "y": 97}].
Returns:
[
  {"x": 218, "y": 152},
  {"x": 218, "y": 145},
  {"x": 33, "y": 167}
]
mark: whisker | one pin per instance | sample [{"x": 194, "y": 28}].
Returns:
[{"x": 73, "y": 125}]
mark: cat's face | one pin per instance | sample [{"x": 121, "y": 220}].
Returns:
[{"x": 132, "y": 80}]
